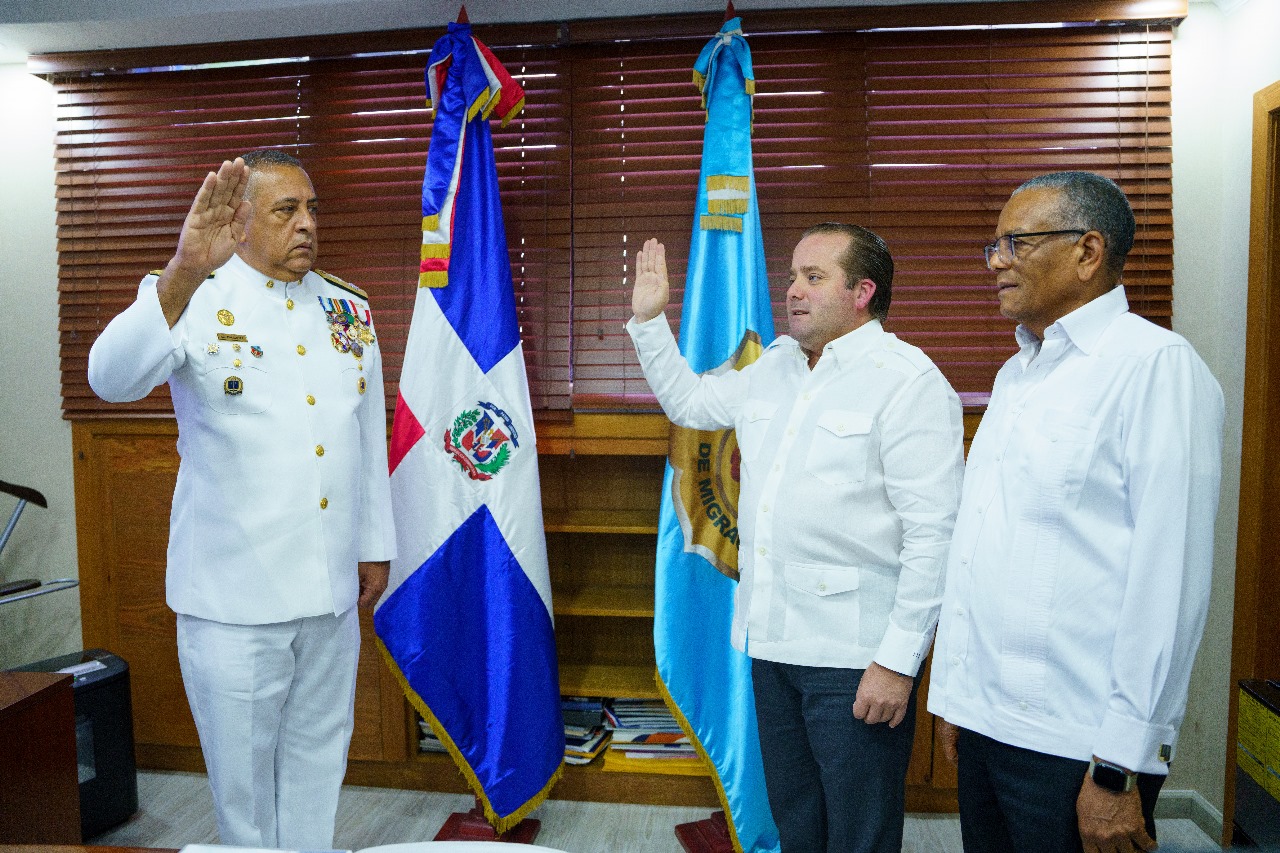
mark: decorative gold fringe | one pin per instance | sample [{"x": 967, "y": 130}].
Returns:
[
  {"x": 479, "y": 104},
  {"x": 500, "y": 824},
  {"x": 702, "y": 753},
  {"x": 727, "y": 205},
  {"x": 728, "y": 182},
  {"x": 513, "y": 112},
  {"x": 699, "y": 80},
  {"x": 431, "y": 223},
  {"x": 434, "y": 250},
  {"x": 490, "y": 104},
  {"x": 433, "y": 279},
  {"x": 751, "y": 87},
  {"x": 720, "y": 223}
]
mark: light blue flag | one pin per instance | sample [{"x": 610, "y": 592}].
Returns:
[{"x": 725, "y": 324}]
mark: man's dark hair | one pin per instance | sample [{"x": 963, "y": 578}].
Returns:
[
  {"x": 867, "y": 256},
  {"x": 1092, "y": 203},
  {"x": 266, "y": 158}
]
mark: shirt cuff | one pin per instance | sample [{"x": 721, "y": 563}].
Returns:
[
  {"x": 1135, "y": 744},
  {"x": 648, "y": 327},
  {"x": 903, "y": 651}
]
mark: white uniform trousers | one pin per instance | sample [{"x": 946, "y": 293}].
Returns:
[{"x": 274, "y": 706}]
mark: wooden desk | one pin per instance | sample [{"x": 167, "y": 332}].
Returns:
[
  {"x": 39, "y": 786},
  {"x": 79, "y": 848}
]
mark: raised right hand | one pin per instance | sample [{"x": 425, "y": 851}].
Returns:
[
  {"x": 213, "y": 227},
  {"x": 651, "y": 291},
  {"x": 208, "y": 238}
]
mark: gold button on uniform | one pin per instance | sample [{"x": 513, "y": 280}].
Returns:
[
  {"x": 235, "y": 363},
  {"x": 289, "y": 304},
  {"x": 311, "y": 401},
  {"x": 319, "y": 450},
  {"x": 324, "y": 503},
  {"x": 302, "y": 350}
]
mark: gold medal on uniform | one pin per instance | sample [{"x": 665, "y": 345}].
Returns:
[
  {"x": 233, "y": 386},
  {"x": 225, "y": 317},
  {"x": 212, "y": 349},
  {"x": 360, "y": 384}
]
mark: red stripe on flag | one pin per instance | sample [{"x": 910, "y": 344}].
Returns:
[{"x": 405, "y": 432}]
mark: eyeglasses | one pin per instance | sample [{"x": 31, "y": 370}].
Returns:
[{"x": 1005, "y": 247}]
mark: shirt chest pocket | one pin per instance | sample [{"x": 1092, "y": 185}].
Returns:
[
  {"x": 751, "y": 429},
  {"x": 840, "y": 448},
  {"x": 1064, "y": 446},
  {"x": 232, "y": 390}
]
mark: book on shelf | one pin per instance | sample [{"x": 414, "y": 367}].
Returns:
[
  {"x": 583, "y": 710},
  {"x": 616, "y": 761},
  {"x": 582, "y": 744},
  {"x": 428, "y": 742}
]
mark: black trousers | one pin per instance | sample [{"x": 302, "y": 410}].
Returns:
[
  {"x": 1018, "y": 799},
  {"x": 835, "y": 784}
]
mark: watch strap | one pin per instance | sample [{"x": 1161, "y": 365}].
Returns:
[{"x": 1112, "y": 777}]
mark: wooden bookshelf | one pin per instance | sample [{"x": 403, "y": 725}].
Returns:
[{"x": 601, "y": 486}]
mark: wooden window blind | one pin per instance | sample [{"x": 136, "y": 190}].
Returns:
[{"x": 917, "y": 134}]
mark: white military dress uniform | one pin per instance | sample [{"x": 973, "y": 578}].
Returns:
[{"x": 282, "y": 488}]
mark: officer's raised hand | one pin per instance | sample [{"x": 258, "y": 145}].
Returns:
[
  {"x": 213, "y": 227},
  {"x": 650, "y": 294}
]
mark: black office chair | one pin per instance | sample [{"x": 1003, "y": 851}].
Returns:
[{"x": 27, "y": 587}]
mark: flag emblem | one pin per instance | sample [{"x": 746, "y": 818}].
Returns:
[{"x": 479, "y": 443}]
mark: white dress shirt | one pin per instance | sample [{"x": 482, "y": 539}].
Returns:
[
  {"x": 1078, "y": 578},
  {"x": 850, "y": 480},
  {"x": 282, "y": 486}
]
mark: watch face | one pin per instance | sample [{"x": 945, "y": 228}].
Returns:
[{"x": 1111, "y": 778}]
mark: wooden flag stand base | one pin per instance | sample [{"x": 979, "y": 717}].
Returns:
[
  {"x": 706, "y": 836},
  {"x": 471, "y": 826}
]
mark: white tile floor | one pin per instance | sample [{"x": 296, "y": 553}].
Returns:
[{"x": 176, "y": 809}]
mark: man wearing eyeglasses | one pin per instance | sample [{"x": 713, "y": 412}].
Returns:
[{"x": 1078, "y": 575}]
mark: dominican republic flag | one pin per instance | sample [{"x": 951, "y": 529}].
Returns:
[
  {"x": 466, "y": 623},
  {"x": 725, "y": 323}
]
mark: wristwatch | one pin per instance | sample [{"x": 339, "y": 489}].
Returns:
[{"x": 1112, "y": 777}]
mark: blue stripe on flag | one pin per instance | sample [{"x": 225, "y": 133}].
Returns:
[
  {"x": 474, "y": 639},
  {"x": 479, "y": 301}
]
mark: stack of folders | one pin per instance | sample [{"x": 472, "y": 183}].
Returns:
[
  {"x": 647, "y": 738},
  {"x": 585, "y": 735},
  {"x": 428, "y": 742}
]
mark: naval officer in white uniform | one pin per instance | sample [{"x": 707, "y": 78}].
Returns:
[{"x": 281, "y": 522}]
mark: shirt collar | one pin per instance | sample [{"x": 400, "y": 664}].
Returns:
[
  {"x": 851, "y": 345},
  {"x": 1083, "y": 326},
  {"x": 845, "y": 348}
]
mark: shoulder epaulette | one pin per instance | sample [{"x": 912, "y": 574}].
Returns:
[
  {"x": 907, "y": 356},
  {"x": 158, "y": 273},
  {"x": 337, "y": 282}
]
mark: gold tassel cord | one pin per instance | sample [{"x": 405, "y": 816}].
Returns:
[{"x": 720, "y": 223}]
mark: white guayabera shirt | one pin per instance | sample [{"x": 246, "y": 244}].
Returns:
[
  {"x": 1078, "y": 578},
  {"x": 850, "y": 479}
]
